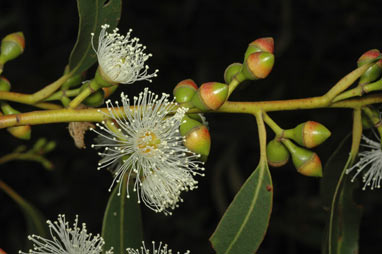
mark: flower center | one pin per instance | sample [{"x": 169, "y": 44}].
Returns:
[{"x": 148, "y": 142}]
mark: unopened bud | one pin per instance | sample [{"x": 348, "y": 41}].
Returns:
[
  {"x": 231, "y": 71},
  {"x": 12, "y": 46},
  {"x": 265, "y": 44},
  {"x": 109, "y": 90},
  {"x": 210, "y": 96},
  {"x": 198, "y": 140},
  {"x": 309, "y": 134},
  {"x": 185, "y": 90},
  {"x": 50, "y": 146},
  {"x": 21, "y": 132},
  {"x": 73, "y": 81},
  {"x": 96, "y": 99},
  {"x": 277, "y": 154},
  {"x": 258, "y": 65},
  {"x": 305, "y": 161},
  {"x": 188, "y": 124},
  {"x": 372, "y": 73},
  {"x": 5, "y": 85},
  {"x": 368, "y": 57}
]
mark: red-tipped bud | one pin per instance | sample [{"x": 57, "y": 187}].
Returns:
[
  {"x": 210, "y": 96},
  {"x": 305, "y": 161},
  {"x": 231, "y": 71},
  {"x": 109, "y": 90},
  {"x": 12, "y": 46},
  {"x": 184, "y": 90},
  {"x": 21, "y": 132},
  {"x": 309, "y": 134},
  {"x": 368, "y": 57},
  {"x": 265, "y": 44},
  {"x": 277, "y": 154},
  {"x": 96, "y": 99},
  {"x": 5, "y": 85},
  {"x": 258, "y": 65},
  {"x": 188, "y": 124},
  {"x": 198, "y": 140}
]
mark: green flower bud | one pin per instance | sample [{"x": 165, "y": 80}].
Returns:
[
  {"x": 5, "y": 85},
  {"x": 305, "y": 161},
  {"x": 258, "y": 65},
  {"x": 231, "y": 71},
  {"x": 265, "y": 44},
  {"x": 73, "y": 81},
  {"x": 12, "y": 46},
  {"x": 277, "y": 154},
  {"x": 38, "y": 146},
  {"x": 184, "y": 90},
  {"x": 21, "y": 132},
  {"x": 188, "y": 124},
  {"x": 368, "y": 57},
  {"x": 372, "y": 73},
  {"x": 198, "y": 140},
  {"x": 96, "y": 99},
  {"x": 50, "y": 146},
  {"x": 309, "y": 134},
  {"x": 210, "y": 96}
]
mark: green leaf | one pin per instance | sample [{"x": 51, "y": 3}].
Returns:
[
  {"x": 122, "y": 224},
  {"x": 92, "y": 14},
  {"x": 245, "y": 222},
  {"x": 343, "y": 228},
  {"x": 36, "y": 223}
]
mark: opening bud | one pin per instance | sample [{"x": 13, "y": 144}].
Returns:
[
  {"x": 21, "y": 132},
  {"x": 309, "y": 134},
  {"x": 5, "y": 85},
  {"x": 210, "y": 96},
  {"x": 277, "y": 154},
  {"x": 305, "y": 161},
  {"x": 231, "y": 71},
  {"x": 258, "y": 65},
  {"x": 198, "y": 140},
  {"x": 184, "y": 90},
  {"x": 265, "y": 44},
  {"x": 12, "y": 46}
]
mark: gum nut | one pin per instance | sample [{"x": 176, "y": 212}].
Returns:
[
  {"x": 231, "y": 71},
  {"x": 198, "y": 140},
  {"x": 184, "y": 90},
  {"x": 210, "y": 96},
  {"x": 258, "y": 65},
  {"x": 277, "y": 154}
]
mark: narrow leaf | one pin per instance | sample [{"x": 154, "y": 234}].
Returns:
[
  {"x": 36, "y": 223},
  {"x": 92, "y": 14},
  {"x": 122, "y": 224},
  {"x": 245, "y": 222}
]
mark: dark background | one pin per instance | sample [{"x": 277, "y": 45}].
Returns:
[{"x": 316, "y": 43}]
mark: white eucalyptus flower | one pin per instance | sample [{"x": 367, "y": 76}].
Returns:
[
  {"x": 162, "y": 249},
  {"x": 67, "y": 240},
  {"x": 143, "y": 141},
  {"x": 121, "y": 58},
  {"x": 370, "y": 163}
]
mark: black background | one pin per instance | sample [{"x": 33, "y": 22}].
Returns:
[{"x": 316, "y": 43}]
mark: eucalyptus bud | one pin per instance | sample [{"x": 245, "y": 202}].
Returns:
[
  {"x": 188, "y": 124},
  {"x": 49, "y": 146},
  {"x": 5, "y": 85},
  {"x": 265, "y": 44},
  {"x": 12, "y": 46},
  {"x": 277, "y": 154},
  {"x": 258, "y": 65},
  {"x": 372, "y": 73},
  {"x": 21, "y": 132},
  {"x": 231, "y": 71},
  {"x": 368, "y": 57},
  {"x": 309, "y": 134},
  {"x": 305, "y": 161},
  {"x": 198, "y": 140},
  {"x": 73, "y": 81},
  {"x": 210, "y": 96},
  {"x": 184, "y": 90},
  {"x": 96, "y": 99}
]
